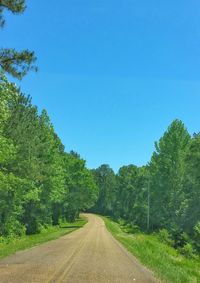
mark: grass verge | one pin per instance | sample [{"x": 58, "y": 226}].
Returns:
[
  {"x": 8, "y": 247},
  {"x": 166, "y": 263}
]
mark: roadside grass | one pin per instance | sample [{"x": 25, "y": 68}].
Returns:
[
  {"x": 166, "y": 262},
  {"x": 10, "y": 246}
]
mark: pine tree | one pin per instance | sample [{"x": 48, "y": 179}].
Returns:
[{"x": 16, "y": 63}]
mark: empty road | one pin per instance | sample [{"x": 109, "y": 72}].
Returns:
[{"x": 88, "y": 255}]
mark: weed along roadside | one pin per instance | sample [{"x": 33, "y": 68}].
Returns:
[
  {"x": 165, "y": 261},
  {"x": 10, "y": 246}
]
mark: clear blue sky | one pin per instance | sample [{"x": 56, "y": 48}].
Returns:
[{"x": 113, "y": 74}]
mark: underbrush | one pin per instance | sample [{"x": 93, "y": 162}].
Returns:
[{"x": 155, "y": 251}]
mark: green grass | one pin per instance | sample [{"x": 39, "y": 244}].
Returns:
[
  {"x": 166, "y": 263},
  {"x": 10, "y": 246}
]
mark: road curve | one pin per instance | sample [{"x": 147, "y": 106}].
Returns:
[{"x": 88, "y": 255}]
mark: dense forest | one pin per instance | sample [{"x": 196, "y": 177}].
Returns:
[
  {"x": 40, "y": 183},
  {"x": 163, "y": 196}
]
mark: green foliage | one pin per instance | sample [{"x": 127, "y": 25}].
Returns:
[
  {"x": 10, "y": 205},
  {"x": 40, "y": 184},
  {"x": 10, "y": 245},
  {"x": 188, "y": 251},
  {"x": 14, "y": 6},
  {"x": 197, "y": 236},
  {"x": 122, "y": 196},
  {"x": 192, "y": 184},
  {"x": 131, "y": 195},
  {"x": 82, "y": 190},
  {"x": 105, "y": 180},
  {"x": 166, "y": 262},
  {"x": 181, "y": 238},
  {"x": 10, "y": 184},
  {"x": 165, "y": 193},
  {"x": 130, "y": 228},
  {"x": 165, "y": 237},
  {"x": 16, "y": 63},
  {"x": 166, "y": 177}
]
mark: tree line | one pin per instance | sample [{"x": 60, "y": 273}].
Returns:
[
  {"x": 40, "y": 183},
  {"x": 162, "y": 196}
]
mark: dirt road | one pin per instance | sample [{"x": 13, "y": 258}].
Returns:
[{"x": 88, "y": 255}]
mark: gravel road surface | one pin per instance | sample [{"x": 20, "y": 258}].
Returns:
[{"x": 88, "y": 255}]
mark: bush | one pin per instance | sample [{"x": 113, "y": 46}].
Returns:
[
  {"x": 13, "y": 228},
  {"x": 188, "y": 251},
  {"x": 197, "y": 236},
  {"x": 131, "y": 228},
  {"x": 121, "y": 222},
  {"x": 34, "y": 226},
  {"x": 165, "y": 237},
  {"x": 180, "y": 239}
]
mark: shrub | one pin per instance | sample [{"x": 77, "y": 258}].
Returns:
[
  {"x": 180, "y": 239},
  {"x": 131, "y": 228},
  {"x": 197, "y": 236},
  {"x": 165, "y": 237},
  {"x": 121, "y": 222},
  {"x": 13, "y": 228},
  {"x": 188, "y": 251}
]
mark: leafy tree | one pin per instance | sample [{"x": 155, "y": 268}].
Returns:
[
  {"x": 172, "y": 176},
  {"x": 166, "y": 180},
  {"x": 41, "y": 184},
  {"x": 52, "y": 171},
  {"x": 126, "y": 179},
  {"x": 10, "y": 185},
  {"x": 106, "y": 182},
  {"x": 131, "y": 202},
  {"x": 82, "y": 190},
  {"x": 39, "y": 161},
  {"x": 192, "y": 185},
  {"x": 21, "y": 128}
]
